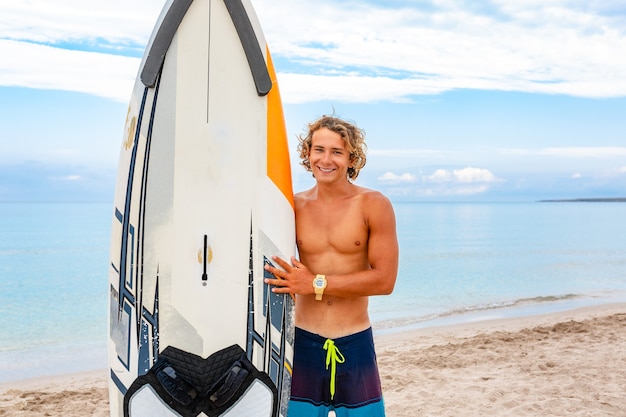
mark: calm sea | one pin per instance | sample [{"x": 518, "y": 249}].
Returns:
[{"x": 459, "y": 261}]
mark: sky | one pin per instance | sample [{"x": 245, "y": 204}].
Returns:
[{"x": 500, "y": 100}]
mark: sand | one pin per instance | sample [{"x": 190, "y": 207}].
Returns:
[
  {"x": 571, "y": 363},
  {"x": 84, "y": 394}
]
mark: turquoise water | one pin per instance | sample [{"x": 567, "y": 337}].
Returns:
[
  {"x": 489, "y": 259},
  {"x": 486, "y": 257},
  {"x": 53, "y": 288}
]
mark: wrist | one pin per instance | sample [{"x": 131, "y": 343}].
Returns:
[{"x": 319, "y": 285}]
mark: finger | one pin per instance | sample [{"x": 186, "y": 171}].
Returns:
[
  {"x": 275, "y": 282},
  {"x": 268, "y": 267},
  {"x": 284, "y": 264},
  {"x": 281, "y": 290},
  {"x": 296, "y": 263}
]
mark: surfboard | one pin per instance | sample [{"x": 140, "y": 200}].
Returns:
[{"x": 203, "y": 201}]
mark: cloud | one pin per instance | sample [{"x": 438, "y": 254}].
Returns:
[
  {"x": 390, "y": 177},
  {"x": 45, "y": 67},
  {"x": 548, "y": 47},
  {"x": 577, "y": 175},
  {"x": 466, "y": 176},
  {"x": 343, "y": 51},
  {"x": 440, "y": 175},
  {"x": 114, "y": 24},
  {"x": 71, "y": 45},
  {"x": 352, "y": 88},
  {"x": 459, "y": 182},
  {"x": 442, "y": 182}
]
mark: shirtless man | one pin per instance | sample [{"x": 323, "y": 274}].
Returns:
[{"x": 348, "y": 249}]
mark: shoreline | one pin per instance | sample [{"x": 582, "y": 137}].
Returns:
[
  {"x": 518, "y": 310},
  {"x": 570, "y": 362},
  {"x": 469, "y": 327}
]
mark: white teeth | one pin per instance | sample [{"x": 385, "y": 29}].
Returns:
[{"x": 326, "y": 170}]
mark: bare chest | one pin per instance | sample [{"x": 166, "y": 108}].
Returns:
[{"x": 341, "y": 231}]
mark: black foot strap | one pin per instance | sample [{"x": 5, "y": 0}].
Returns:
[{"x": 185, "y": 385}]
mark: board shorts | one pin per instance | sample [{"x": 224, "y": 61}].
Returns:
[{"x": 340, "y": 375}]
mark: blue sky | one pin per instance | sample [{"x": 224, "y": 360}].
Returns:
[{"x": 486, "y": 100}]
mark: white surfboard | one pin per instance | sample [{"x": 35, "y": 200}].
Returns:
[{"x": 203, "y": 200}]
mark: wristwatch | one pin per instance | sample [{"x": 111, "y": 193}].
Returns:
[{"x": 319, "y": 283}]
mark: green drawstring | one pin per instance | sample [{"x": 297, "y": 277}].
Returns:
[{"x": 333, "y": 357}]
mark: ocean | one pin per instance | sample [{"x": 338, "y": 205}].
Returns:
[{"x": 458, "y": 262}]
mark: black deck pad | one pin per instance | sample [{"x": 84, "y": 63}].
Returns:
[{"x": 189, "y": 384}]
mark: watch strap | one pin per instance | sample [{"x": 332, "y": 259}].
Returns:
[{"x": 319, "y": 291}]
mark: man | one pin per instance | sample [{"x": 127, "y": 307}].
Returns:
[{"x": 348, "y": 249}]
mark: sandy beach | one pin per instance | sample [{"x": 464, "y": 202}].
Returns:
[{"x": 570, "y": 363}]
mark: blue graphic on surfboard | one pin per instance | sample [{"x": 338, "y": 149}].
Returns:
[{"x": 203, "y": 200}]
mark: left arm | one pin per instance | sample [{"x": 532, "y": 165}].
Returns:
[{"x": 382, "y": 256}]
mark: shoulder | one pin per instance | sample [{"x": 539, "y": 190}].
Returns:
[
  {"x": 375, "y": 205},
  {"x": 378, "y": 215},
  {"x": 303, "y": 196},
  {"x": 372, "y": 197}
]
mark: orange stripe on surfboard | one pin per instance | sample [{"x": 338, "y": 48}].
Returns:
[{"x": 278, "y": 165}]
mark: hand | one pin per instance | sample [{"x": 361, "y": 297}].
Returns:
[{"x": 292, "y": 279}]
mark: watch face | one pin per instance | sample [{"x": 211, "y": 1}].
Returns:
[{"x": 319, "y": 283}]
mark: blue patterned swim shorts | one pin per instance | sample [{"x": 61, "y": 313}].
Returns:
[{"x": 340, "y": 375}]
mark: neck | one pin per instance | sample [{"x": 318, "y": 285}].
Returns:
[{"x": 334, "y": 190}]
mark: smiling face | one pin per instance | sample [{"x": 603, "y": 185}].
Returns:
[
  {"x": 328, "y": 156},
  {"x": 353, "y": 143}
]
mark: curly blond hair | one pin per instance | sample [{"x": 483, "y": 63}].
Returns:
[{"x": 353, "y": 137}]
